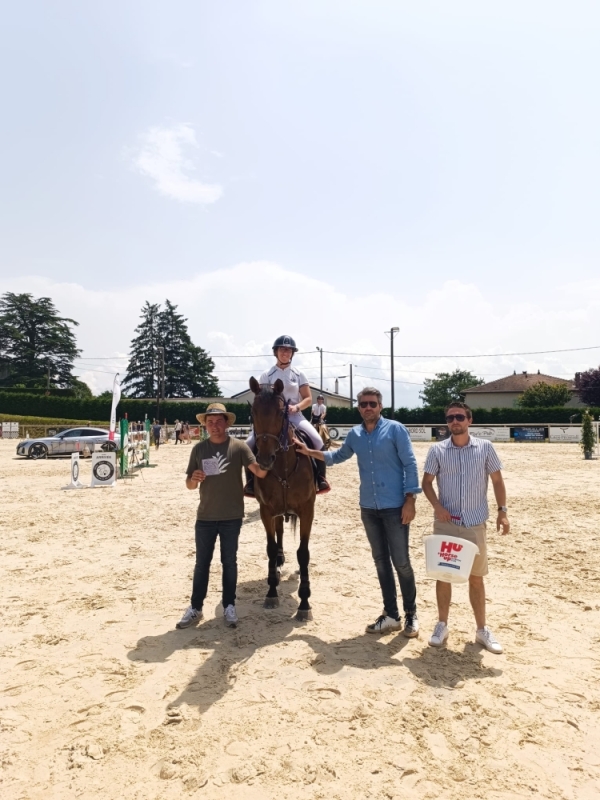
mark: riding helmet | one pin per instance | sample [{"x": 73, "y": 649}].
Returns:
[{"x": 284, "y": 341}]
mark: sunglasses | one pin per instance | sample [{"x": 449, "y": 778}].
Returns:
[
  {"x": 368, "y": 404},
  {"x": 457, "y": 417}
]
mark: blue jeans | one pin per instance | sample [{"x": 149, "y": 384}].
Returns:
[
  {"x": 228, "y": 531},
  {"x": 388, "y": 538}
]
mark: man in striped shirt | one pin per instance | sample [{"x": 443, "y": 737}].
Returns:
[{"x": 462, "y": 465}]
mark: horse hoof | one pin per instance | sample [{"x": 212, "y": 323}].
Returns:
[
  {"x": 304, "y": 616},
  {"x": 271, "y": 602}
]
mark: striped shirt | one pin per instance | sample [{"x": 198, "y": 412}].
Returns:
[{"x": 462, "y": 478}]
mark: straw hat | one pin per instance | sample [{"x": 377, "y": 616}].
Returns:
[{"x": 216, "y": 408}]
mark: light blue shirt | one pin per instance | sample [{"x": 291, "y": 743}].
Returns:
[{"x": 386, "y": 463}]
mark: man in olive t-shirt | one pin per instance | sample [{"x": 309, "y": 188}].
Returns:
[{"x": 216, "y": 466}]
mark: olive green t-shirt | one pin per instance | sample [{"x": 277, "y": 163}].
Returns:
[{"x": 221, "y": 495}]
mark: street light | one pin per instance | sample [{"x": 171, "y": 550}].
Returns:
[
  {"x": 392, "y": 333},
  {"x": 320, "y": 349},
  {"x": 339, "y": 378}
]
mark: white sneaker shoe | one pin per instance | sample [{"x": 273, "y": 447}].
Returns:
[
  {"x": 485, "y": 637},
  {"x": 231, "y": 617},
  {"x": 439, "y": 635},
  {"x": 191, "y": 616},
  {"x": 384, "y": 624}
]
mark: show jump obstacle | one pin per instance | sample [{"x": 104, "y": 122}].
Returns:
[{"x": 135, "y": 447}]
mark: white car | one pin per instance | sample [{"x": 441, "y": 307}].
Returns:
[{"x": 74, "y": 440}]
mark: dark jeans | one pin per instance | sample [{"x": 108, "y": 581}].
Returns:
[
  {"x": 388, "y": 538},
  {"x": 228, "y": 531}
]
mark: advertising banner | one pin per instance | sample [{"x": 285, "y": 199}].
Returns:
[
  {"x": 441, "y": 433},
  {"x": 75, "y": 482},
  {"x": 419, "y": 433},
  {"x": 570, "y": 433},
  {"x": 493, "y": 434},
  {"x": 104, "y": 469},
  {"x": 530, "y": 434}
]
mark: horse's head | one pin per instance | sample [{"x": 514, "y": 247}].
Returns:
[{"x": 268, "y": 418}]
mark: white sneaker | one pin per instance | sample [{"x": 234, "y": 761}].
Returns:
[
  {"x": 384, "y": 624},
  {"x": 439, "y": 635},
  {"x": 231, "y": 617},
  {"x": 191, "y": 616},
  {"x": 485, "y": 637}
]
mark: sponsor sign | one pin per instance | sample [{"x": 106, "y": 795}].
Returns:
[
  {"x": 531, "y": 434},
  {"x": 10, "y": 430},
  {"x": 75, "y": 482},
  {"x": 419, "y": 433},
  {"x": 492, "y": 434},
  {"x": 104, "y": 469},
  {"x": 569, "y": 433}
]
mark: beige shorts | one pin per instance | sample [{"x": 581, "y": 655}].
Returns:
[{"x": 476, "y": 534}]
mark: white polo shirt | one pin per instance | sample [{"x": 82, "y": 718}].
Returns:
[
  {"x": 292, "y": 380},
  {"x": 319, "y": 409}
]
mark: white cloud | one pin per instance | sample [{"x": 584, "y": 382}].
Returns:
[
  {"x": 162, "y": 158},
  {"x": 240, "y": 310}
]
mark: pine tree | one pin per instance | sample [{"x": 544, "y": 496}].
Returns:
[
  {"x": 141, "y": 378},
  {"x": 189, "y": 370},
  {"x": 35, "y": 342}
]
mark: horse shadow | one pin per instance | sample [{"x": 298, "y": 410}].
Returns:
[{"x": 228, "y": 649}]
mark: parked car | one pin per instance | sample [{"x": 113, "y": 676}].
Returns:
[{"x": 66, "y": 442}]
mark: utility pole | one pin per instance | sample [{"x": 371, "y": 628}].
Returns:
[
  {"x": 48, "y": 378},
  {"x": 392, "y": 333},
  {"x": 351, "y": 392},
  {"x": 320, "y": 349}
]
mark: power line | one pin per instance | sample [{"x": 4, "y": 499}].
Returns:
[
  {"x": 481, "y": 355},
  {"x": 388, "y": 380}
]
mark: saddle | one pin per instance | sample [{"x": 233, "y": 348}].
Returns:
[{"x": 305, "y": 439}]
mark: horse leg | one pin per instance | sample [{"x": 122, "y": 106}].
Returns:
[
  {"x": 304, "y": 612},
  {"x": 272, "y": 599},
  {"x": 280, "y": 553}
]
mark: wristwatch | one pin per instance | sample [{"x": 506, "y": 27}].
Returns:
[{"x": 503, "y": 508}]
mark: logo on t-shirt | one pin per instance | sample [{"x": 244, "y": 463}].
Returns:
[{"x": 216, "y": 465}]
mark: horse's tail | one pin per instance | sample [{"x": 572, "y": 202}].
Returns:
[{"x": 293, "y": 523}]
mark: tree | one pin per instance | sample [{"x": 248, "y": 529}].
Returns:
[
  {"x": 447, "y": 387},
  {"x": 544, "y": 395},
  {"x": 35, "y": 342},
  {"x": 189, "y": 370},
  {"x": 588, "y": 386}
]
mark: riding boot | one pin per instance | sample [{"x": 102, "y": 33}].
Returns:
[
  {"x": 322, "y": 485},
  {"x": 249, "y": 487}
]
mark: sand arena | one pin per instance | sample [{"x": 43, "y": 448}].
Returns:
[{"x": 102, "y": 698}]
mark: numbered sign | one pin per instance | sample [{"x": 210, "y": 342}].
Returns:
[{"x": 104, "y": 469}]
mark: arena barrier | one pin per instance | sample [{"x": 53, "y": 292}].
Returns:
[{"x": 135, "y": 446}]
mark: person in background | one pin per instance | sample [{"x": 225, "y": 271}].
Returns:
[
  {"x": 178, "y": 427},
  {"x": 319, "y": 412},
  {"x": 156, "y": 430},
  {"x": 389, "y": 482},
  {"x": 185, "y": 432},
  {"x": 462, "y": 465},
  {"x": 216, "y": 467}
]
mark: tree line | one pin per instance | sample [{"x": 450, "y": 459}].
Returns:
[{"x": 38, "y": 350}]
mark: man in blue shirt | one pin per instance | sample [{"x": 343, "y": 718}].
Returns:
[{"x": 388, "y": 484}]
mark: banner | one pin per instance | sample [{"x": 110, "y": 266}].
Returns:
[
  {"x": 113, "y": 411},
  {"x": 570, "y": 433},
  {"x": 532, "y": 434},
  {"x": 492, "y": 434},
  {"x": 418, "y": 433},
  {"x": 75, "y": 482},
  {"x": 104, "y": 469}
]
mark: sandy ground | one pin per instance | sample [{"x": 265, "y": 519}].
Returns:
[{"x": 102, "y": 698}]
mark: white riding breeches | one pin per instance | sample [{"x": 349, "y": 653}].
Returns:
[{"x": 298, "y": 421}]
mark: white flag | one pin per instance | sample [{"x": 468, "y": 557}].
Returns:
[{"x": 113, "y": 410}]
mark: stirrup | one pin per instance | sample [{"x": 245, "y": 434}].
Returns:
[{"x": 324, "y": 488}]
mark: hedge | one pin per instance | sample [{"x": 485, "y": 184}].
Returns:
[{"x": 33, "y": 405}]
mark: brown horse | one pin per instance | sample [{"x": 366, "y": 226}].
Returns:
[{"x": 287, "y": 491}]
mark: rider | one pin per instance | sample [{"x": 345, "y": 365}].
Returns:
[
  {"x": 319, "y": 412},
  {"x": 297, "y": 392}
]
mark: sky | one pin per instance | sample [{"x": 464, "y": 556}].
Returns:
[{"x": 324, "y": 169}]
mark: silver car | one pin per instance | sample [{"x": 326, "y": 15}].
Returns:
[{"x": 73, "y": 440}]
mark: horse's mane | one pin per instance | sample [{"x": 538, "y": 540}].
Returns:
[{"x": 266, "y": 396}]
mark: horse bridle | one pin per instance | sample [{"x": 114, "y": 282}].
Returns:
[{"x": 283, "y": 441}]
